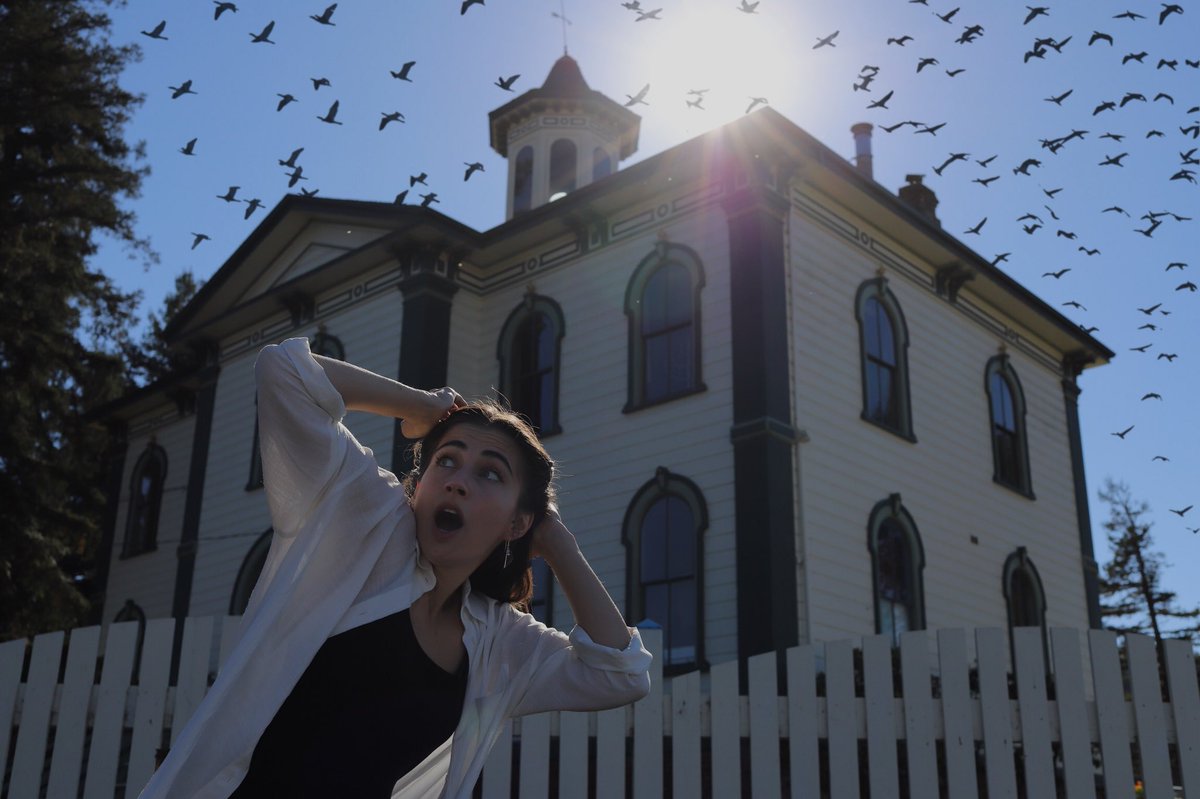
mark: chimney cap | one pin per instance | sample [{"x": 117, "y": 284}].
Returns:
[
  {"x": 914, "y": 179},
  {"x": 861, "y": 127}
]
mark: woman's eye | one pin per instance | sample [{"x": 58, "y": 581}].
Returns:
[
  {"x": 444, "y": 460},
  {"x": 492, "y": 474}
]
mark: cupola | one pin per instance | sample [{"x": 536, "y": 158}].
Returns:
[{"x": 560, "y": 137}]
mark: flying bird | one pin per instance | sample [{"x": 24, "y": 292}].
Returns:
[
  {"x": 252, "y": 206},
  {"x": 1059, "y": 99},
  {"x": 748, "y": 7},
  {"x": 1151, "y": 395},
  {"x": 1188, "y": 286},
  {"x": 644, "y": 15},
  {"x": 985, "y": 182},
  {"x": 229, "y": 196},
  {"x": 426, "y": 199},
  {"x": 264, "y": 35},
  {"x": 467, "y": 4},
  {"x": 1128, "y": 15},
  {"x": 395, "y": 116},
  {"x": 755, "y": 102},
  {"x": 1167, "y": 11},
  {"x": 1058, "y": 274},
  {"x": 1097, "y": 36},
  {"x": 221, "y": 8},
  {"x": 308, "y": 192},
  {"x": 953, "y": 72},
  {"x": 296, "y": 175},
  {"x": 882, "y": 101},
  {"x": 189, "y": 148},
  {"x": 640, "y": 97},
  {"x": 900, "y": 40},
  {"x": 926, "y": 62},
  {"x": 506, "y": 83},
  {"x": 953, "y": 157},
  {"x": 1023, "y": 169},
  {"x": 1134, "y": 57},
  {"x": 181, "y": 90},
  {"x": 932, "y": 129},
  {"x": 285, "y": 99},
  {"x": 1170, "y": 356},
  {"x": 827, "y": 40},
  {"x": 415, "y": 179},
  {"x": 403, "y": 73},
  {"x": 197, "y": 238},
  {"x": 472, "y": 169},
  {"x": 985, "y": 161},
  {"x": 325, "y": 15},
  {"x": 319, "y": 82},
  {"x": 291, "y": 159},
  {"x": 1181, "y": 511},
  {"x": 1121, "y": 435},
  {"x": 331, "y": 114},
  {"x": 400, "y": 197},
  {"x": 156, "y": 33},
  {"x": 1034, "y": 12},
  {"x": 949, "y": 15}
]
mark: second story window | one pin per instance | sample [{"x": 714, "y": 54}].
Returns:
[
  {"x": 145, "y": 501},
  {"x": 529, "y": 352},
  {"x": 1006, "y": 410},
  {"x": 883, "y": 339}
]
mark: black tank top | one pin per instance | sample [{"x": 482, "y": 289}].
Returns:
[{"x": 370, "y": 706}]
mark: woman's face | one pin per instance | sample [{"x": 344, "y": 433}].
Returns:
[{"x": 465, "y": 503}]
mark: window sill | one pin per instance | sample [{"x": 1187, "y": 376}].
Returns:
[
  {"x": 907, "y": 436},
  {"x": 1016, "y": 489},
  {"x": 131, "y": 555},
  {"x": 632, "y": 407}
]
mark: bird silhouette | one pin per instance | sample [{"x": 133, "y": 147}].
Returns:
[
  {"x": 395, "y": 116},
  {"x": 291, "y": 159},
  {"x": 1142, "y": 348},
  {"x": 1113, "y": 160},
  {"x": 926, "y": 62},
  {"x": 400, "y": 197},
  {"x": 1023, "y": 169},
  {"x": 953, "y": 72},
  {"x": 331, "y": 114},
  {"x": 1058, "y": 274},
  {"x": 221, "y": 8},
  {"x": 472, "y": 168},
  {"x": 467, "y": 4},
  {"x": 747, "y": 7},
  {"x": 1167, "y": 11},
  {"x": 1138, "y": 57},
  {"x": 822, "y": 41},
  {"x": 1151, "y": 395},
  {"x": 1030, "y": 228},
  {"x": 1149, "y": 311},
  {"x": 1188, "y": 286},
  {"x": 1074, "y": 304},
  {"x": 264, "y": 34},
  {"x": 1168, "y": 356},
  {"x": 1121, "y": 435},
  {"x": 984, "y": 163},
  {"x": 1148, "y": 326},
  {"x": 639, "y": 98},
  {"x": 189, "y": 148},
  {"x": 156, "y": 33},
  {"x": 755, "y": 102},
  {"x": 1089, "y": 251},
  {"x": 985, "y": 182},
  {"x": 1097, "y": 36},
  {"x": 1128, "y": 15},
  {"x": 970, "y": 34},
  {"x": 949, "y": 15},
  {"x": 1059, "y": 99},
  {"x": 506, "y": 83},
  {"x": 284, "y": 100},
  {"x": 953, "y": 157},
  {"x": 1000, "y": 257},
  {"x": 229, "y": 196},
  {"x": 977, "y": 227},
  {"x": 415, "y": 179},
  {"x": 1182, "y": 511},
  {"x": 932, "y": 129},
  {"x": 181, "y": 90},
  {"x": 296, "y": 175},
  {"x": 308, "y": 192},
  {"x": 197, "y": 238},
  {"x": 1035, "y": 12},
  {"x": 252, "y": 206},
  {"x": 427, "y": 199},
  {"x": 900, "y": 40},
  {"x": 1107, "y": 105},
  {"x": 325, "y": 17},
  {"x": 642, "y": 16},
  {"x": 696, "y": 103},
  {"x": 1180, "y": 265},
  {"x": 319, "y": 82},
  {"x": 404, "y": 70},
  {"x": 882, "y": 101}
]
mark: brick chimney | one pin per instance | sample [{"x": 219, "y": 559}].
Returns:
[
  {"x": 862, "y": 148},
  {"x": 920, "y": 197}
]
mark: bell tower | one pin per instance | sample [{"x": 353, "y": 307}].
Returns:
[{"x": 560, "y": 137}]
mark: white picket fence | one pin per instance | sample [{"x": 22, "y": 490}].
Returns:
[{"x": 694, "y": 735}]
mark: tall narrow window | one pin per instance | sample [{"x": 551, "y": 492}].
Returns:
[
  {"x": 562, "y": 168},
  {"x": 664, "y": 537},
  {"x": 248, "y": 574},
  {"x": 898, "y": 564},
  {"x": 601, "y": 164},
  {"x": 328, "y": 345},
  {"x": 523, "y": 181},
  {"x": 541, "y": 606},
  {"x": 529, "y": 352},
  {"x": 1006, "y": 411},
  {"x": 663, "y": 305},
  {"x": 145, "y": 501},
  {"x": 883, "y": 338},
  {"x": 1024, "y": 597}
]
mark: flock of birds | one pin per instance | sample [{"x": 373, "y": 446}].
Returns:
[{"x": 1042, "y": 219}]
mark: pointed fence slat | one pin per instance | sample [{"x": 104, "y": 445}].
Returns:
[
  {"x": 726, "y": 730},
  {"x": 573, "y": 754},
  {"x": 764, "y": 726},
  {"x": 1185, "y": 701},
  {"x": 685, "y": 734},
  {"x": 880, "y": 695},
  {"x": 804, "y": 718},
  {"x": 12, "y": 659},
  {"x": 32, "y": 737},
  {"x": 110, "y": 710},
  {"x": 843, "y": 720},
  {"x": 1111, "y": 713},
  {"x": 648, "y": 723},
  {"x": 1034, "y": 713},
  {"x": 1078, "y": 771},
  {"x": 497, "y": 771},
  {"x": 997, "y": 719},
  {"x": 1148, "y": 713},
  {"x": 920, "y": 748},
  {"x": 192, "y": 682},
  {"x": 66, "y": 764},
  {"x": 151, "y": 703},
  {"x": 610, "y": 754},
  {"x": 535, "y": 756},
  {"x": 957, "y": 716}
]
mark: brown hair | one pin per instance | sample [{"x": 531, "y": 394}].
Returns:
[{"x": 536, "y": 473}]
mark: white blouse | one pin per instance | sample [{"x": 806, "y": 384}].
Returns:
[{"x": 344, "y": 553}]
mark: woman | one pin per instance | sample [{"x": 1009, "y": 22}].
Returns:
[{"x": 381, "y": 652}]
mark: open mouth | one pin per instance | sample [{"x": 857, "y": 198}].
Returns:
[{"x": 447, "y": 520}]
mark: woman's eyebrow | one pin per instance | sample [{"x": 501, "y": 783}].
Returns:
[{"x": 489, "y": 452}]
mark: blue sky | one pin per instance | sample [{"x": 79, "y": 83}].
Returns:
[{"x": 996, "y": 106}]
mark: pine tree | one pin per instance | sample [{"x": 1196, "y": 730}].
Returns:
[
  {"x": 65, "y": 168},
  {"x": 151, "y": 359},
  {"x": 1131, "y": 591}
]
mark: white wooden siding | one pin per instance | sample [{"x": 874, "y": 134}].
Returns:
[{"x": 945, "y": 480}]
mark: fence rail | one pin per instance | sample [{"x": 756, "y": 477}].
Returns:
[{"x": 857, "y": 719}]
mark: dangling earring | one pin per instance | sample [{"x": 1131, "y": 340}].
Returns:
[{"x": 507, "y": 554}]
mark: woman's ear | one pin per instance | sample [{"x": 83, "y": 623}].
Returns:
[{"x": 522, "y": 524}]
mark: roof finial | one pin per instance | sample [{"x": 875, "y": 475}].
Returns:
[{"x": 562, "y": 15}]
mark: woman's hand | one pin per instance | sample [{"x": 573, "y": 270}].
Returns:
[
  {"x": 551, "y": 537},
  {"x": 426, "y": 409}
]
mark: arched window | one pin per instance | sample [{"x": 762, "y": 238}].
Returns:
[
  {"x": 252, "y": 566},
  {"x": 664, "y": 544},
  {"x": 883, "y": 340},
  {"x": 542, "y": 603},
  {"x": 662, "y": 302},
  {"x": 562, "y": 167},
  {"x": 523, "y": 181},
  {"x": 325, "y": 344},
  {"x": 255, "y": 480},
  {"x": 1024, "y": 597},
  {"x": 1006, "y": 411},
  {"x": 601, "y": 164},
  {"x": 897, "y": 565},
  {"x": 530, "y": 351},
  {"x": 145, "y": 501}
]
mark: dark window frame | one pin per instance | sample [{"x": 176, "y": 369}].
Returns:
[
  {"x": 665, "y": 484},
  {"x": 563, "y": 169},
  {"x": 664, "y": 254},
  {"x": 139, "y": 542},
  {"x": 523, "y": 180},
  {"x": 999, "y": 367},
  {"x": 249, "y": 572},
  {"x": 892, "y": 510},
  {"x": 1019, "y": 562},
  {"x": 877, "y": 290},
  {"x": 531, "y": 306}
]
